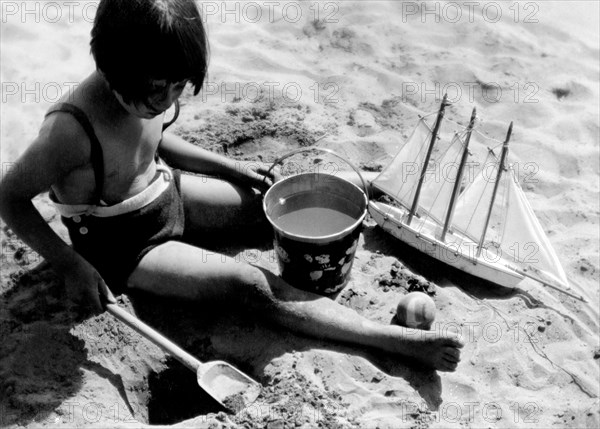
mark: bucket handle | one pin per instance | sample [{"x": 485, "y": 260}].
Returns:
[{"x": 329, "y": 151}]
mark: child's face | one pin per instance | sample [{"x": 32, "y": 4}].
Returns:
[{"x": 161, "y": 95}]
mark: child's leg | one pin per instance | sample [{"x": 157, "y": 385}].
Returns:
[
  {"x": 217, "y": 207},
  {"x": 176, "y": 269}
]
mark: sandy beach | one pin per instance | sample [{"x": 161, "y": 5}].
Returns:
[{"x": 352, "y": 77}]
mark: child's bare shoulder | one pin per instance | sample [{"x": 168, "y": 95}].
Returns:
[
  {"x": 59, "y": 149},
  {"x": 61, "y": 146},
  {"x": 62, "y": 135}
]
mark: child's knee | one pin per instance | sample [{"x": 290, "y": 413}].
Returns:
[{"x": 255, "y": 288}]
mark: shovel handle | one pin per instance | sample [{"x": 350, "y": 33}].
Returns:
[{"x": 147, "y": 332}]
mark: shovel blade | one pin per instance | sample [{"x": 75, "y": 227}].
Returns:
[{"x": 233, "y": 389}]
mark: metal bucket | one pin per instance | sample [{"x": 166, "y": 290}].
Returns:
[{"x": 317, "y": 219}]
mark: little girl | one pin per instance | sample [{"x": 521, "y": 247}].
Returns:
[{"x": 132, "y": 216}]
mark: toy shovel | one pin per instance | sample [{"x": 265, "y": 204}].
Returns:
[{"x": 230, "y": 387}]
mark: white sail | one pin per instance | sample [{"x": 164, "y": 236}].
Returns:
[
  {"x": 473, "y": 205},
  {"x": 524, "y": 240},
  {"x": 400, "y": 178},
  {"x": 440, "y": 178},
  {"x": 514, "y": 232},
  {"x": 513, "y": 241}
]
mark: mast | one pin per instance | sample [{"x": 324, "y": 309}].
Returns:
[
  {"x": 498, "y": 175},
  {"x": 459, "y": 175},
  {"x": 434, "y": 134}
]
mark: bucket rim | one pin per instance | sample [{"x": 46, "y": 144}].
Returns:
[{"x": 322, "y": 238}]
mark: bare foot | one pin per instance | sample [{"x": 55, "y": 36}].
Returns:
[{"x": 431, "y": 349}]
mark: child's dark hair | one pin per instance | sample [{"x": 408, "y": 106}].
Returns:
[{"x": 135, "y": 41}]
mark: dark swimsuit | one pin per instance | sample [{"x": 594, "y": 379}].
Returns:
[{"x": 115, "y": 245}]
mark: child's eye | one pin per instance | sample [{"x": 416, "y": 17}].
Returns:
[{"x": 182, "y": 84}]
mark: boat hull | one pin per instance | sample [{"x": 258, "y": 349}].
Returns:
[{"x": 463, "y": 257}]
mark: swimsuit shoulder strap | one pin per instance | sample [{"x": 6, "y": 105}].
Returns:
[
  {"x": 167, "y": 125},
  {"x": 175, "y": 116},
  {"x": 97, "y": 156}
]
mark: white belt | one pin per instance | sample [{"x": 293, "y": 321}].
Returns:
[{"x": 138, "y": 201}]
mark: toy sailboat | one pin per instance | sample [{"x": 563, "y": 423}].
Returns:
[{"x": 483, "y": 225}]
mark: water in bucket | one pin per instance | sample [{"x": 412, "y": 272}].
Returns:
[
  {"x": 316, "y": 219},
  {"x": 310, "y": 216}
]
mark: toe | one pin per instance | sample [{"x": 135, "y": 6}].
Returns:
[
  {"x": 448, "y": 365},
  {"x": 454, "y": 341},
  {"x": 452, "y": 354}
]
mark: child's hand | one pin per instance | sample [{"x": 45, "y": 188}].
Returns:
[
  {"x": 86, "y": 288},
  {"x": 261, "y": 178}
]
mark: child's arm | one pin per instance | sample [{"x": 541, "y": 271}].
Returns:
[
  {"x": 187, "y": 156},
  {"x": 60, "y": 148}
]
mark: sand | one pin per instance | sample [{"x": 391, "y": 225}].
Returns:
[{"x": 354, "y": 79}]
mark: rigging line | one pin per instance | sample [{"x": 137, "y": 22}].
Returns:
[
  {"x": 464, "y": 127},
  {"x": 424, "y": 217},
  {"x": 461, "y": 136},
  {"x": 427, "y": 212},
  {"x": 423, "y": 172},
  {"x": 505, "y": 203},
  {"x": 487, "y": 137},
  {"x": 427, "y": 115},
  {"x": 422, "y": 147},
  {"x": 413, "y": 186},
  {"x": 480, "y": 197},
  {"x": 442, "y": 157}
]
